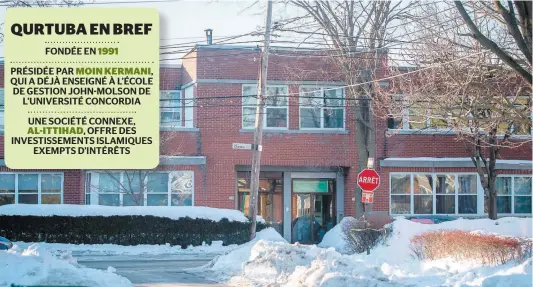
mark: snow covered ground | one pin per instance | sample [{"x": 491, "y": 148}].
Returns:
[
  {"x": 172, "y": 212},
  {"x": 113, "y": 249},
  {"x": 270, "y": 261},
  {"x": 36, "y": 266}
]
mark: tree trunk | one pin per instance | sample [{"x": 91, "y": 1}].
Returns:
[{"x": 492, "y": 204}]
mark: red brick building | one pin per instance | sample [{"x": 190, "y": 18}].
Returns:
[{"x": 309, "y": 159}]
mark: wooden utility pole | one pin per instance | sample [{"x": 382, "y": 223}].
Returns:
[{"x": 258, "y": 133}]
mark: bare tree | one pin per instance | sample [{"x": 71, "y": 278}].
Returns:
[
  {"x": 354, "y": 33},
  {"x": 459, "y": 88},
  {"x": 515, "y": 16}
]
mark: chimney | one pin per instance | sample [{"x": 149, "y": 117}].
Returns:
[{"x": 209, "y": 36}]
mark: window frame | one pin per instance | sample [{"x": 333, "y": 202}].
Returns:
[
  {"x": 322, "y": 108},
  {"x": 180, "y": 123},
  {"x": 512, "y": 195},
  {"x": 434, "y": 175},
  {"x": 405, "y": 120},
  {"x": 39, "y": 186},
  {"x": 265, "y": 108},
  {"x": 91, "y": 188}
]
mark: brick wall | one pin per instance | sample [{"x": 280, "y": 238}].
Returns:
[
  {"x": 170, "y": 77},
  {"x": 219, "y": 122}
]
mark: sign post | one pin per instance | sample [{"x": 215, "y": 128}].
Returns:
[{"x": 368, "y": 180}]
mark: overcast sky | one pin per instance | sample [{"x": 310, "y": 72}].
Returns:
[{"x": 188, "y": 18}]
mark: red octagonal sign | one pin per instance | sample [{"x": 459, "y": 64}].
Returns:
[{"x": 368, "y": 180}]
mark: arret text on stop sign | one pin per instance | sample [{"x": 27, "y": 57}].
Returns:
[{"x": 368, "y": 180}]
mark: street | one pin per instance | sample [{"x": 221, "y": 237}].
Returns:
[{"x": 153, "y": 271}]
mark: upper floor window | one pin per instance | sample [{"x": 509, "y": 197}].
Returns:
[
  {"x": 171, "y": 108},
  {"x": 31, "y": 188},
  {"x": 417, "y": 115},
  {"x": 276, "y": 110},
  {"x": 321, "y": 108}
]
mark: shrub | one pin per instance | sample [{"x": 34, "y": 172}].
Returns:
[
  {"x": 124, "y": 230},
  {"x": 360, "y": 239},
  {"x": 487, "y": 249}
]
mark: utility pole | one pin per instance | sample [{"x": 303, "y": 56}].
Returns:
[{"x": 258, "y": 132}]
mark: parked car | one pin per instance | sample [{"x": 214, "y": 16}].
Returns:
[
  {"x": 5, "y": 243},
  {"x": 431, "y": 219}
]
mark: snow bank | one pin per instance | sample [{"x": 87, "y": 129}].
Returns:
[
  {"x": 267, "y": 263},
  {"x": 35, "y": 266},
  {"x": 404, "y": 230},
  {"x": 172, "y": 212},
  {"x": 112, "y": 249},
  {"x": 335, "y": 237},
  {"x": 231, "y": 263}
]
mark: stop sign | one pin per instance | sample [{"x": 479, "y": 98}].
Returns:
[{"x": 368, "y": 180}]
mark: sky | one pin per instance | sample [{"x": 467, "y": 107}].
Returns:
[{"x": 185, "y": 21}]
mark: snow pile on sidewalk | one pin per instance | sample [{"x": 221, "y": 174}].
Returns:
[
  {"x": 216, "y": 247},
  {"x": 35, "y": 266},
  {"x": 267, "y": 262},
  {"x": 172, "y": 212},
  {"x": 335, "y": 238},
  {"x": 231, "y": 263}
]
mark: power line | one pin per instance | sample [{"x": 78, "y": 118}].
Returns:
[{"x": 366, "y": 51}]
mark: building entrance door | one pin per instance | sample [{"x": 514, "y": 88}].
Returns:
[{"x": 313, "y": 209}]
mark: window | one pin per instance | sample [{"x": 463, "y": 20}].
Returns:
[
  {"x": 417, "y": 115},
  {"x": 171, "y": 108},
  {"x": 445, "y": 194},
  {"x": 276, "y": 109},
  {"x": 109, "y": 189},
  {"x": 7, "y": 189},
  {"x": 428, "y": 193},
  {"x": 467, "y": 193},
  {"x": 181, "y": 188},
  {"x": 173, "y": 188},
  {"x": 513, "y": 194},
  {"x": 321, "y": 108},
  {"x": 31, "y": 188},
  {"x": 522, "y": 194},
  {"x": 157, "y": 187},
  {"x": 400, "y": 189},
  {"x": 51, "y": 188},
  {"x": 423, "y": 193}
]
